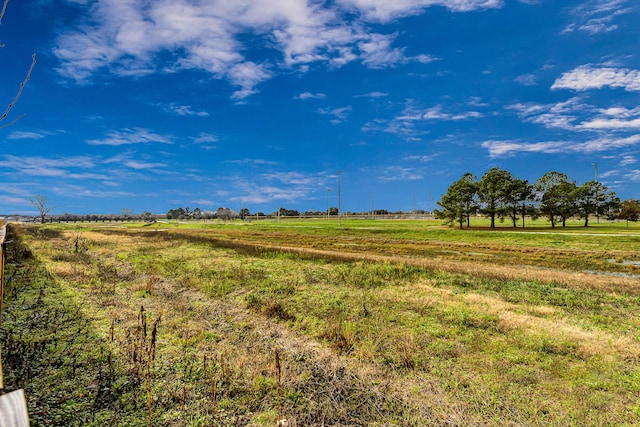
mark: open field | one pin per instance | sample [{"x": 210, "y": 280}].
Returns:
[{"x": 372, "y": 323}]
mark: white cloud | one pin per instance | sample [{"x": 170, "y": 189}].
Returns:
[
  {"x": 29, "y": 134},
  {"x": 633, "y": 175},
  {"x": 182, "y": 110},
  {"x": 372, "y": 95},
  {"x": 399, "y": 173},
  {"x": 204, "y": 138},
  {"x": 587, "y": 77},
  {"x": 509, "y": 148},
  {"x": 247, "y": 75},
  {"x": 628, "y": 160},
  {"x": 421, "y": 159},
  {"x": 527, "y": 80},
  {"x": 340, "y": 114},
  {"x": 597, "y": 16},
  {"x": 256, "y": 162},
  {"x": 293, "y": 178},
  {"x": 129, "y": 37},
  {"x": 133, "y": 164},
  {"x": 46, "y": 167},
  {"x": 131, "y": 136},
  {"x": 615, "y": 118},
  {"x": 308, "y": 95},
  {"x": 385, "y": 10},
  {"x": 476, "y": 101},
  {"x": 562, "y": 115},
  {"x": 436, "y": 113},
  {"x": 6, "y": 200}
]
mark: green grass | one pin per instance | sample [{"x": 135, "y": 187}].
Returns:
[{"x": 363, "y": 342}]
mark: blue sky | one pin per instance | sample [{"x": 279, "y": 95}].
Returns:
[{"x": 156, "y": 104}]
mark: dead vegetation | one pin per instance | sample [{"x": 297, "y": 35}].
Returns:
[{"x": 259, "y": 334}]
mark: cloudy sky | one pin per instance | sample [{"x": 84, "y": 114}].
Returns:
[{"x": 156, "y": 104}]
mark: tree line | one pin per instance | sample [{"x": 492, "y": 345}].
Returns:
[{"x": 500, "y": 195}]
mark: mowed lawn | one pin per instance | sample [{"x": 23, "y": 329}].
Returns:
[{"x": 368, "y": 323}]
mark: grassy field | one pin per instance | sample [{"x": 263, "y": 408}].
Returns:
[{"x": 373, "y": 323}]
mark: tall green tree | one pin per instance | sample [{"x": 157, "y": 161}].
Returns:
[
  {"x": 553, "y": 190},
  {"x": 492, "y": 192},
  {"x": 518, "y": 195},
  {"x": 586, "y": 197},
  {"x": 459, "y": 203},
  {"x": 567, "y": 197}
]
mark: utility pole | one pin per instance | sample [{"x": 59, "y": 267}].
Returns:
[
  {"x": 339, "y": 212},
  {"x": 328, "y": 203}
]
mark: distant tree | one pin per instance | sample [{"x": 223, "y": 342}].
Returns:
[
  {"x": 288, "y": 212},
  {"x": 43, "y": 205},
  {"x": 586, "y": 198},
  {"x": 225, "y": 214},
  {"x": 175, "y": 213},
  {"x": 609, "y": 205},
  {"x": 553, "y": 190},
  {"x": 492, "y": 192},
  {"x": 630, "y": 210},
  {"x": 126, "y": 213},
  {"x": 459, "y": 202},
  {"x": 244, "y": 212},
  {"x": 518, "y": 194}
]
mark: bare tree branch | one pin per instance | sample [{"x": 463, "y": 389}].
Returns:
[
  {"x": 22, "y": 85},
  {"x": 24, "y": 82},
  {"x": 4, "y": 8}
]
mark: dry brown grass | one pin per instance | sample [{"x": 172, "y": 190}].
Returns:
[{"x": 385, "y": 359}]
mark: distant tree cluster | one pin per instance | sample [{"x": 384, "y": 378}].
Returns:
[
  {"x": 221, "y": 213},
  {"x": 500, "y": 195}
]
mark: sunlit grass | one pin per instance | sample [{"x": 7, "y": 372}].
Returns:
[{"x": 373, "y": 327}]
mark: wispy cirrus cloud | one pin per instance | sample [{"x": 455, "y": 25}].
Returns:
[
  {"x": 628, "y": 160},
  {"x": 182, "y": 110},
  {"x": 437, "y": 113},
  {"x": 400, "y": 173},
  {"x": 527, "y": 79},
  {"x": 206, "y": 141},
  {"x": 507, "y": 148},
  {"x": 256, "y": 162},
  {"x": 374, "y": 95},
  {"x": 633, "y": 175},
  {"x": 131, "y": 136},
  {"x": 597, "y": 16},
  {"x": 339, "y": 114},
  {"x": 47, "y": 167},
  {"x": 140, "y": 165},
  {"x": 407, "y": 123},
  {"x": 40, "y": 134},
  {"x": 287, "y": 186},
  {"x": 562, "y": 115},
  {"x": 385, "y": 10},
  {"x": 308, "y": 95}
]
